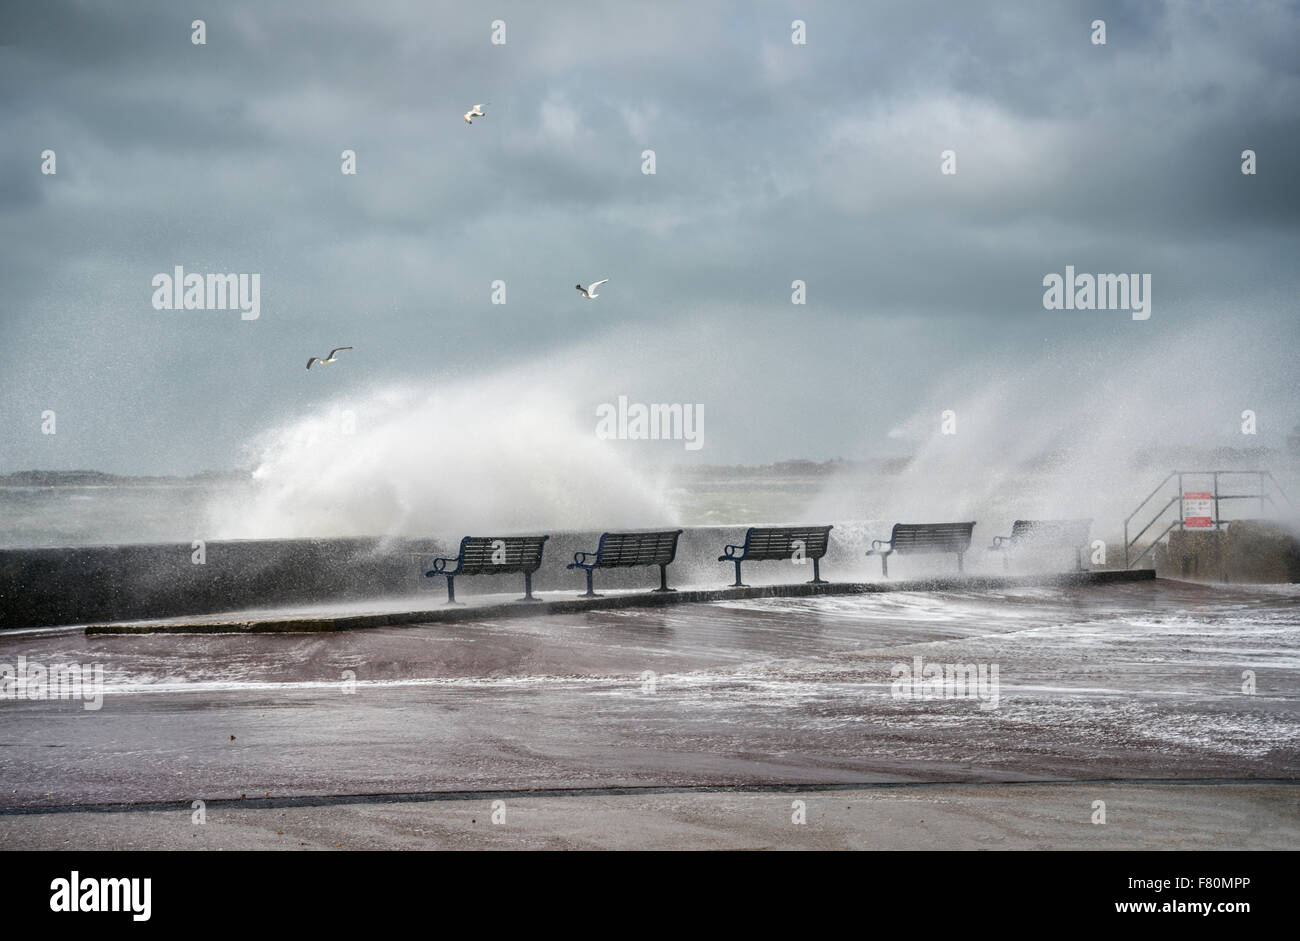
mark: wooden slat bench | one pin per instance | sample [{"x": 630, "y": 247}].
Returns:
[
  {"x": 1044, "y": 535},
  {"x": 622, "y": 550},
  {"x": 780, "y": 542},
  {"x": 492, "y": 555},
  {"x": 923, "y": 539}
]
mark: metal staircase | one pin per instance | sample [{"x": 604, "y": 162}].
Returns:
[{"x": 1267, "y": 492}]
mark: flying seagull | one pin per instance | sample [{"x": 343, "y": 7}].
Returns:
[
  {"x": 328, "y": 359},
  {"x": 590, "y": 291},
  {"x": 475, "y": 112}
]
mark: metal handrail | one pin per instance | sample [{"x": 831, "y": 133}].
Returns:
[
  {"x": 1278, "y": 488},
  {"x": 1154, "y": 542},
  {"x": 1172, "y": 475},
  {"x": 1155, "y": 519},
  {"x": 1264, "y": 497},
  {"x": 1129, "y": 544}
]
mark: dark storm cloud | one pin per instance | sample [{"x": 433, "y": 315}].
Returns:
[{"x": 775, "y": 162}]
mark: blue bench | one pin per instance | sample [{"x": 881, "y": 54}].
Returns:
[
  {"x": 492, "y": 555},
  {"x": 622, "y": 550},
  {"x": 1044, "y": 535},
  {"x": 923, "y": 538},
  {"x": 780, "y": 542}
]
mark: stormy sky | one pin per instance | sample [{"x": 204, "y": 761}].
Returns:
[{"x": 774, "y": 161}]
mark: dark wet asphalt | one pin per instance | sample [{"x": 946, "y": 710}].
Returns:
[{"x": 1128, "y": 681}]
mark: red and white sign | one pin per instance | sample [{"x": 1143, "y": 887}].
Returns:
[{"x": 1198, "y": 510}]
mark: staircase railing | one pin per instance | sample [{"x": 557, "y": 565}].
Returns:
[{"x": 1270, "y": 494}]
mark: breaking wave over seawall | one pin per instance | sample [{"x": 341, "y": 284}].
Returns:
[{"x": 492, "y": 456}]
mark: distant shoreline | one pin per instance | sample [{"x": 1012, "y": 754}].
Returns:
[
  {"x": 85, "y": 479},
  {"x": 1142, "y": 457}
]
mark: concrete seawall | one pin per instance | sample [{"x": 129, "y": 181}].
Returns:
[
  {"x": 42, "y": 587},
  {"x": 497, "y": 608},
  {"x": 50, "y": 587},
  {"x": 1259, "y": 551}
]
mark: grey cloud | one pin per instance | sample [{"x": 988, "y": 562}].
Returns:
[{"x": 775, "y": 162}]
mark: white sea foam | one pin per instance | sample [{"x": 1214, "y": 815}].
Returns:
[
  {"x": 491, "y": 455},
  {"x": 1061, "y": 436}
]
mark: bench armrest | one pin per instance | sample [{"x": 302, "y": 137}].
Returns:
[
  {"x": 1000, "y": 541},
  {"x": 730, "y": 551},
  {"x": 580, "y": 558},
  {"x": 439, "y": 565},
  {"x": 881, "y": 543}
]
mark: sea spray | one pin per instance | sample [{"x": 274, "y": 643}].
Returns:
[
  {"x": 447, "y": 460},
  {"x": 1069, "y": 436}
]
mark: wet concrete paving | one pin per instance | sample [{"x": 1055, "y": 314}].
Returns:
[
  {"x": 911, "y": 817},
  {"x": 1102, "y": 683}
]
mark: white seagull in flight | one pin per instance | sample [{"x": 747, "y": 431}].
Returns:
[
  {"x": 475, "y": 112},
  {"x": 590, "y": 291},
  {"x": 328, "y": 359}
]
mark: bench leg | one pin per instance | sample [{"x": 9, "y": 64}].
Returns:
[
  {"x": 884, "y": 565},
  {"x": 738, "y": 583},
  {"x": 451, "y": 590},
  {"x": 528, "y": 588},
  {"x": 590, "y": 593},
  {"x": 1006, "y": 561},
  {"x": 960, "y": 570},
  {"x": 1078, "y": 558},
  {"x": 817, "y": 575},
  {"x": 663, "y": 580}
]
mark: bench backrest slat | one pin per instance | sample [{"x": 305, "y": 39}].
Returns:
[
  {"x": 1070, "y": 533},
  {"x": 626, "y": 549},
  {"x": 931, "y": 537},
  {"x": 777, "y": 542},
  {"x": 515, "y": 554}
]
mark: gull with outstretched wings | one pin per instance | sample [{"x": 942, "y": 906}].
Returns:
[
  {"x": 589, "y": 291},
  {"x": 326, "y": 360}
]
